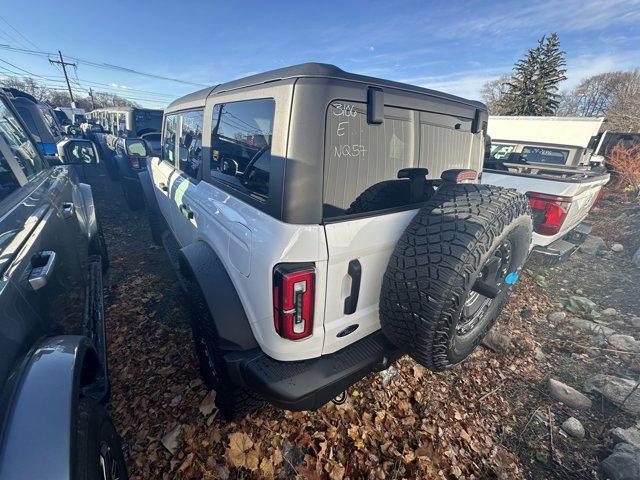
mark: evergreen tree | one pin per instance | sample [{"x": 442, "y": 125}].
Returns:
[{"x": 533, "y": 89}]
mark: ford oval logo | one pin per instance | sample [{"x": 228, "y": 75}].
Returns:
[{"x": 348, "y": 330}]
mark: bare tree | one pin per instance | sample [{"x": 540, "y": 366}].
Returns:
[
  {"x": 624, "y": 113},
  {"x": 60, "y": 98},
  {"x": 615, "y": 95},
  {"x": 593, "y": 96},
  {"x": 493, "y": 93}
]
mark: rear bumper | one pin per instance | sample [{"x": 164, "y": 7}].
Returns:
[
  {"x": 309, "y": 384},
  {"x": 564, "y": 247}
]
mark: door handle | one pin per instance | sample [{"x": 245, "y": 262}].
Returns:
[
  {"x": 42, "y": 266},
  {"x": 355, "y": 272},
  {"x": 67, "y": 210},
  {"x": 186, "y": 211},
  {"x": 163, "y": 187}
]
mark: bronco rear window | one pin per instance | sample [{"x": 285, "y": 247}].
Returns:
[{"x": 359, "y": 156}]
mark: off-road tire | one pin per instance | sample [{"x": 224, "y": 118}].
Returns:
[
  {"x": 98, "y": 246},
  {"x": 436, "y": 262},
  {"x": 96, "y": 435},
  {"x": 233, "y": 400}
]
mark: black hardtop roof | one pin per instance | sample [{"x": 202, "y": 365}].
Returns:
[{"x": 317, "y": 70}]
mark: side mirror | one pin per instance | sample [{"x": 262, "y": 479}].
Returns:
[{"x": 77, "y": 152}]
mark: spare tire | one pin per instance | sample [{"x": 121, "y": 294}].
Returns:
[{"x": 465, "y": 240}]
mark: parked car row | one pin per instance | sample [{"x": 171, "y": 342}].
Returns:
[
  {"x": 127, "y": 137},
  {"x": 319, "y": 236}
]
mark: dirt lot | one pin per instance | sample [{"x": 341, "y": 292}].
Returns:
[{"x": 491, "y": 417}]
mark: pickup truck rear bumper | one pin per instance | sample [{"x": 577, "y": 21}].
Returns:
[
  {"x": 309, "y": 384},
  {"x": 564, "y": 247}
]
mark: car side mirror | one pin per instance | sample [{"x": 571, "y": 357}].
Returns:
[{"x": 77, "y": 152}]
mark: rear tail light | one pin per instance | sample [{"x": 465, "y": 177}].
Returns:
[
  {"x": 135, "y": 161},
  {"x": 549, "y": 212},
  {"x": 293, "y": 300},
  {"x": 595, "y": 200}
]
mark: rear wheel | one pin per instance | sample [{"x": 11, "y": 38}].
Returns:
[
  {"x": 453, "y": 270},
  {"x": 233, "y": 400},
  {"x": 98, "y": 450}
]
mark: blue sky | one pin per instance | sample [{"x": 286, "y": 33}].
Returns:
[{"x": 447, "y": 45}]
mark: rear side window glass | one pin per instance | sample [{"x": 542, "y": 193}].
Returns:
[
  {"x": 556, "y": 156},
  {"x": 362, "y": 160},
  {"x": 169, "y": 139},
  {"x": 8, "y": 181},
  {"x": 190, "y": 151},
  {"x": 501, "y": 151},
  {"x": 22, "y": 147},
  {"x": 241, "y": 145}
]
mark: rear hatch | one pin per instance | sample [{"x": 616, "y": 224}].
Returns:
[{"x": 358, "y": 156}]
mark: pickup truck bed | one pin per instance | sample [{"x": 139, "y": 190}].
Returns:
[{"x": 575, "y": 189}]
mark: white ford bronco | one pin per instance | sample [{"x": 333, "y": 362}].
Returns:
[{"x": 324, "y": 224}]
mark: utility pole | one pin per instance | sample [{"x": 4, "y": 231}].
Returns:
[
  {"x": 93, "y": 103},
  {"x": 64, "y": 69}
]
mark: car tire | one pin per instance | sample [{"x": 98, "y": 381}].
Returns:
[
  {"x": 234, "y": 401},
  {"x": 98, "y": 450},
  {"x": 98, "y": 246},
  {"x": 429, "y": 303}
]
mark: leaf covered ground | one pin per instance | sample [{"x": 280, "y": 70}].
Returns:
[{"x": 490, "y": 417}]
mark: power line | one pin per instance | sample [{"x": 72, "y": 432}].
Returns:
[
  {"x": 18, "y": 32},
  {"x": 106, "y": 66}
]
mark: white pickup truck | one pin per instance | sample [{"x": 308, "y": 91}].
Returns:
[
  {"x": 549, "y": 159},
  {"x": 561, "y": 197}
]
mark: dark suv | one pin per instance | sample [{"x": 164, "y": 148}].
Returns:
[{"x": 53, "y": 371}]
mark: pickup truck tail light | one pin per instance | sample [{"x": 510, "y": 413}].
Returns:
[
  {"x": 293, "y": 300},
  {"x": 549, "y": 212},
  {"x": 135, "y": 161}
]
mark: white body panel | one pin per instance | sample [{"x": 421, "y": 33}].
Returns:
[
  {"x": 249, "y": 243},
  {"x": 583, "y": 196},
  {"x": 371, "y": 241},
  {"x": 549, "y": 130}
]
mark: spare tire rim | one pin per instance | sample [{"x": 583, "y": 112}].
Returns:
[{"x": 493, "y": 271}]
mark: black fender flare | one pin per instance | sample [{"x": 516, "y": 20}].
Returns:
[
  {"x": 89, "y": 221},
  {"x": 199, "y": 263},
  {"x": 39, "y": 430}
]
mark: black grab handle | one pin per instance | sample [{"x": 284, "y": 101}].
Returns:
[{"x": 355, "y": 272}]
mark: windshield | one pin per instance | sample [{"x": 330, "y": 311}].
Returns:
[
  {"x": 556, "y": 156},
  {"x": 51, "y": 122}
]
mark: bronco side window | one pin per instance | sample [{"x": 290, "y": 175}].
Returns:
[
  {"x": 169, "y": 139},
  {"x": 241, "y": 144},
  {"x": 190, "y": 151}
]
